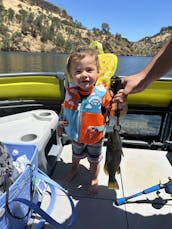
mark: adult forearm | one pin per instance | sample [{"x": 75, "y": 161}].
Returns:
[{"x": 160, "y": 64}]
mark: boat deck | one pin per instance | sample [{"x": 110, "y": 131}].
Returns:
[{"x": 140, "y": 169}]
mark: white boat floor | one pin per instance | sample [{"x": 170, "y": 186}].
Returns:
[{"x": 140, "y": 169}]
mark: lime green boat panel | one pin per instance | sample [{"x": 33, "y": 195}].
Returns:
[
  {"x": 158, "y": 94},
  {"x": 30, "y": 87}
]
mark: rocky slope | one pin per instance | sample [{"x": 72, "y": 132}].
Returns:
[{"x": 39, "y": 26}]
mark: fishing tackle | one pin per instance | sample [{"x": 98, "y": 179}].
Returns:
[
  {"x": 167, "y": 187},
  {"x": 114, "y": 144},
  {"x": 115, "y": 86}
]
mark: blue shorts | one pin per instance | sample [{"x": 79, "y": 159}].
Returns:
[{"x": 92, "y": 152}]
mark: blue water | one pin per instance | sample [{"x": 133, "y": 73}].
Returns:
[
  {"x": 50, "y": 62},
  {"x": 128, "y": 65},
  {"x": 131, "y": 65}
]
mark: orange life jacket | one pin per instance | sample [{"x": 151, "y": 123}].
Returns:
[{"x": 86, "y": 122}]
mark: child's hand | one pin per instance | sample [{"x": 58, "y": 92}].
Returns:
[
  {"x": 63, "y": 123},
  {"x": 60, "y": 127}
]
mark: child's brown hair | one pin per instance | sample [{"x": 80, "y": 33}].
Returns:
[{"x": 80, "y": 53}]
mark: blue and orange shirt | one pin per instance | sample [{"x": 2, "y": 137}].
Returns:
[{"x": 86, "y": 115}]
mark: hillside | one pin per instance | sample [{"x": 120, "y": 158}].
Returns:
[{"x": 39, "y": 26}]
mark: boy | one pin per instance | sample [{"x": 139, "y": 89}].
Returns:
[{"x": 84, "y": 112}]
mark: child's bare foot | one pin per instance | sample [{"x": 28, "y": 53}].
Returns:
[
  {"x": 71, "y": 174},
  {"x": 93, "y": 188}
]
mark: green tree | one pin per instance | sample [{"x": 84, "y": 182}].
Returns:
[
  {"x": 105, "y": 28},
  {"x": 24, "y": 28},
  {"x": 68, "y": 46},
  {"x": 45, "y": 34},
  {"x": 3, "y": 13},
  {"x": 60, "y": 41},
  {"x": 30, "y": 18},
  {"x": 38, "y": 23},
  {"x": 118, "y": 36},
  {"x": 3, "y": 29},
  {"x": 96, "y": 31},
  {"x": 6, "y": 44},
  {"x": 10, "y": 14}
]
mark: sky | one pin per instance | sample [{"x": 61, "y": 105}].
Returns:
[{"x": 133, "y": 19}]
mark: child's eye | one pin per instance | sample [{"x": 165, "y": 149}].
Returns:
[
  {"x": 90, "y": 70},
  {"x": 77, "y": 72}
]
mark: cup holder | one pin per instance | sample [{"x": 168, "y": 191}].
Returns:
[
  {"x": 45, "y": 114},
  {"x": 28, "y": 137}
]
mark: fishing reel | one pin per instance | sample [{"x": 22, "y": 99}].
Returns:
[
  {"x": 168, "y": 186},
  {"x": 115, "y": 84}
]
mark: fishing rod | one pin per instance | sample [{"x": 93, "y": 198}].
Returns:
[{"x": 166, "y": 186}]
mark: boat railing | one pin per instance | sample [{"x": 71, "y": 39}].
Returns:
[{"x": 60, "y": 75}]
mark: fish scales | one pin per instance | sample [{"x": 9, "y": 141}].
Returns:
[{"x": 113, "y": 158}]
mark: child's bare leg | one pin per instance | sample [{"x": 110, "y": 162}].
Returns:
[
  {"x": 94, "y": 172},
  {"x": 73, "y": 171}
]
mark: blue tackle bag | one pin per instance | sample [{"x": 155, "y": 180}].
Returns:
[{"x": 20, "y": 201}]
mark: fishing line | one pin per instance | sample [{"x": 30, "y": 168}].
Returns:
[{"x": 126, "y": 215}]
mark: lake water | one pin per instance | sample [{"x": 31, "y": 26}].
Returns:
[{"x": 53, "y": 62}]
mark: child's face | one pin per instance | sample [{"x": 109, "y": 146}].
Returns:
[{"x": 84, "y": 72}]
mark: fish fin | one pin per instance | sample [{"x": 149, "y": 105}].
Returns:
[
  {"x": 118, "y": 170},
  {"x": 113, "y": 185},
  {"x": 106, "y": 170}
]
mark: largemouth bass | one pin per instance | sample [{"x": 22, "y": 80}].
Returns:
[{"x": 113, "y": 158}]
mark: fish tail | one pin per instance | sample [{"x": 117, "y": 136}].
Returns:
[
  {"x": 106, "y": 169},
  {"x": 113, "y": 185}
]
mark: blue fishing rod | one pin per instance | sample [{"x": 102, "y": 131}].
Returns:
[{"x": 167, "y": 186}]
